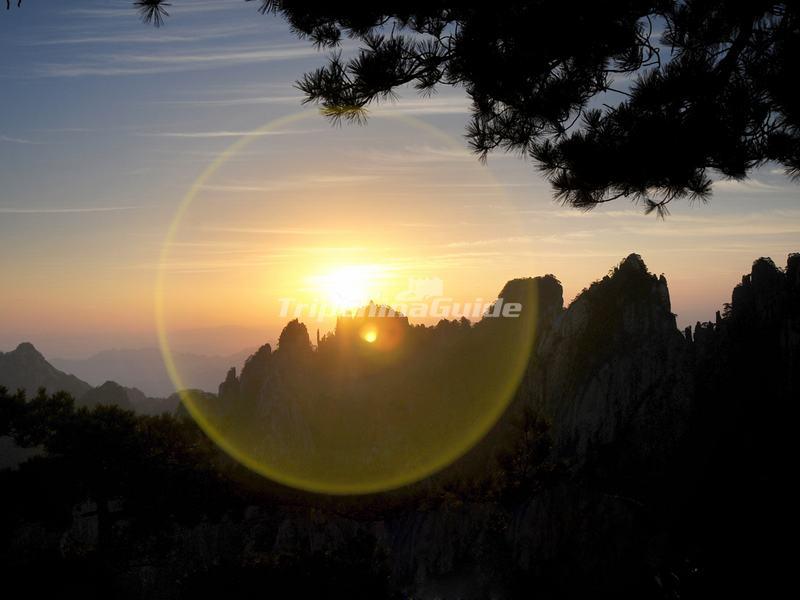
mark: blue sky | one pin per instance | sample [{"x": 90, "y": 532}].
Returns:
[{"x": 106, "y": 122}]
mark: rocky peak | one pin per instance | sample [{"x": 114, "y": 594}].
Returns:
[
  {"x": 256, "y": 362},
  {"x": 793, "y": 273},
  {"x": 28, "y": 351},
  {"x": 629, "y": 302},
  {"x": 229, "y": 389},
  {"x": 764, "y": 272},
  {"x": 255, "y": 371},
  {"x": 110, "y": 394},
  {"x": 633, "y": 262},
  {"x": 26, "y": 368},
  {"x": 294, "y": 340},
  {"x": 609, "y": 356},
  {"x": 545, "y": 293},
  {"x": 762, "y": 295}
]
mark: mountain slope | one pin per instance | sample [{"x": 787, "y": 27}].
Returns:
[{"x": 25, "y": 368}]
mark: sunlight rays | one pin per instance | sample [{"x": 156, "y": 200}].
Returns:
[{"x": 349, "y": 287}]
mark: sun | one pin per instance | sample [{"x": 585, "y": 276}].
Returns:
[
  {"x": 369, "y": 334},
  {"x": 348, "y": 287}
]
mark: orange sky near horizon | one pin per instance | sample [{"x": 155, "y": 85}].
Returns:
[
  {"x": 90, "y": 192},
  {"x": 277, "y": 222}
]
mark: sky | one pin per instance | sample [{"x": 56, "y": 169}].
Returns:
[{"x": 131, "y": 155}]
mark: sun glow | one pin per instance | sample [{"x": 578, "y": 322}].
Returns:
[
  {"x": 359, "y": 419},
  {"x": 369, "y": 334},
  {"x": 349, "y": 287}
]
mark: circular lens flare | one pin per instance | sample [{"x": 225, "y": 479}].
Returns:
[{"x": 379, "y": 403}]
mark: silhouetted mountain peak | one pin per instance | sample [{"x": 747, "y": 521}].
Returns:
[
  {"x": 766, "y": 293},
  {"x": 109, "y": 393},
  {"x": 254, "y": 370},
  {"x": 793, "y": 272},
  {"x": 26, "y": 368},
  {"x": 229, "y": 389},
  {"x": 257, "y": 359},
  {"x": 110, "y": 386},
  {"x": 631, "y": 283},
  {"x": 633, "y": 262},
  {"x": 628, "y": 302},
  {"x": 765, "y": 274},
  {"x": 544, "y": 292},
  {"x": 294, "y": 341},
  {"x": 28, "y": 351}
]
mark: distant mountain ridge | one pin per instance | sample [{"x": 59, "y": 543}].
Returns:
[
  {"x": 26, "y": 368},
  {"x": 133, "y": 379},
  {"x": 143, "y": 368}
]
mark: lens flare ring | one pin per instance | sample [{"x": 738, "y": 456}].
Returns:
[{"x": 515, "y": 360}]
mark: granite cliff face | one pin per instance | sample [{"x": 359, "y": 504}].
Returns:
[
  {"x": 639, "y": 415},
  {"x": 635, "y": 459},
  {"x": 612, "y": 370}
]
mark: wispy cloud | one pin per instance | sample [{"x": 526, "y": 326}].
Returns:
[
  {"x": 723, "y": 230},
  {"x": 711, "y": 226},
  {"x": 279, "y": 230},
  {"x": 172, "y": 62},
  {"x": 476, "y": 184},
  {"x": 104, "y": 13},
  {"x": 572, "y": 237},
  {"x": 65, "y": 130},
  {"x": 420, "y": 225},
  {"x": 291, "y": 184},
  {"x": 434, "y": 105},
  {"x": 416, "y": 154},
  {"x": 459, "y": 259},
  {"x": 490, "y": 242},
  {"x": 223, "y": 133},
  {"x": 342, "y": 178},
  {"x": 47, "y": 210},
  {"x": 145, "y": 36},
  {"x": 746, "y": 186},
  {"x": 16, "y": 140},
  {"x": 222, "y": 265},
  {"x": 245, "y": 188},
  {"x": 247, "y": 101},
  {"x": 182, "y": 7}
]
